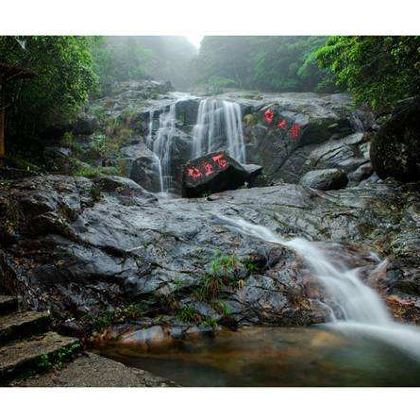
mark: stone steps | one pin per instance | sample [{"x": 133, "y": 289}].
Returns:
[
  {"x": 35, "y": 354},
  {"x": 8, "y": 304},
  {"x": 23, "y": 324},
  {"x": 26, "y": 344}
]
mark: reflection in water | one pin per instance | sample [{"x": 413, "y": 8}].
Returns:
[
  {"x": 362, "y": 346},
  {"x": 276, "y": 357}
]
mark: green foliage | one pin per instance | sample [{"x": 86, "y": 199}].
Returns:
[
  {"x": 222, "y": 308},
  {"x": 188, "y": 314},
  {"x": 224, "y": 266},
  {"x": 210, "y": 323},
  {"x": 95, "y": 193},
  {"x": 211, "y": 287},
  {"x": 94, "y": 171},
  {"x": 43, "y": 363},
  {"x": 64, "y": 77},
  {"x": 251, "y": 266},
  {"x": 376, "y": 70},
  {"x": 223, "y": 271},
  {"x": 102, "y": 320},
  {"x": 267, "y": 63},
  {"x": 119, "y": 59}
]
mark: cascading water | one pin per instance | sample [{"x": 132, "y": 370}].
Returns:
[
  {"x": 362, "y": 310},
  {"x": 149, "y": 144},
  {"x": 161, "y": 144},
  {"x": 219, "y": 124}
]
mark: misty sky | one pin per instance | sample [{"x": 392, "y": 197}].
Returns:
[{"x": 195, "y": 39}]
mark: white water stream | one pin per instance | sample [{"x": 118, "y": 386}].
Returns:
[
  {"x": 219, "y": 120},
  {"x": 160, "y": 145},
  {"x": 363, "y": 310}
]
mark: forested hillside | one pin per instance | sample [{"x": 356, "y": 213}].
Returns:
[
  {"x": 244, "y": 215},
  {"x": 265, "y": 63}
]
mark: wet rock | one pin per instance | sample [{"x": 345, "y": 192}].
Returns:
[
  {"x": 213, "y": 173},
  {"x": 83, "y": 248},
  {"x": 141, "y": 165},
  {"x": 342, "y": 154},
  {"x": 361, "y": 173},
  {"x": 179, "y": 153},
  {"x": 325, "y": 179},
  {"x": 186, "y": 112},
  {"x": 300, "y": 122},
  {"x": 395, "y": 150}
]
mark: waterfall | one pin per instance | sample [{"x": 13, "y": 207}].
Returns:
[
  {"x": 161, "y": 144},
  {"x": 219, "y": 124},
  {"x": 360, "y": 307},
  {"x": 149, "y": 144}
]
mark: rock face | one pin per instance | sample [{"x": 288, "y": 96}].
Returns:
[
  {"x": 395, "y": 150},
  {"x": 288, "y": 134},
  {"x": 141, "y": 165},
  {"x": 215, "y": 172},
  {"x": 281, "y": 131},
  {"x": 325, "y": 179},
  {"x": 83, "y": 248}
]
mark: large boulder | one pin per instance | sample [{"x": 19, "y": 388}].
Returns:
[
  {"x": 344, "y": 153},
  {"x": 282, "y": 130},
  {"x": 325, "y": 179},
  {"x": 179, "y": 153},
  {"x": 213, "y": 173},
  {"x": 141, "y": 165},
  {"x": 395, "y": 150}
]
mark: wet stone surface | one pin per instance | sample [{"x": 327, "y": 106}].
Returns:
[{"x": 84, "y": 248}]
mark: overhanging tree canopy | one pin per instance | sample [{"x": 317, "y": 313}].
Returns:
[{"x": 8, "y": 73}]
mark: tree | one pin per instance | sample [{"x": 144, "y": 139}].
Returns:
[
  {"x": 269, "y": 63},
  {"x": 376, "y": 70},
  {"x": 8, "y": 74},
  {"x": 65, "y": 77}
]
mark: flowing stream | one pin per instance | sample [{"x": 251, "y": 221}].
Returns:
[
  {"x": 149, "y": 144},
  {"x": 219, "y": 125},
  {"x": 361, "y": 310},
  {"x": 160, "y": 145},
  {"x": 360, "y": 346}
]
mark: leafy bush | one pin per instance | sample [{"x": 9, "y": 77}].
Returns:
[
  {"x": 376, "y": 70},
  {"x": 64, "y": 78}
]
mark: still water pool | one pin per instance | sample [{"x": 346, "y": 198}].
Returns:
[{"x": 275, "y": 357}]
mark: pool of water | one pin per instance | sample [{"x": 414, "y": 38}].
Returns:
[{"x": 275, "y": 357}]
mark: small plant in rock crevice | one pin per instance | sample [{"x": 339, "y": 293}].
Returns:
[
  {"x": 224, "y": 271},
  {"x": 188, "y": 314},
  {"x": 95, "y": 193}
]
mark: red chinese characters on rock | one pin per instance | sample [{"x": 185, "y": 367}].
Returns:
[
  {"x": 282, "y": 123},
  {"x": 194, "y": 173},
  {"x": 220, "y": 160},
  {"x": 295, "y": 131},
  {"x": 208, "y": 168},
  {"x": 268, "y": 116}
]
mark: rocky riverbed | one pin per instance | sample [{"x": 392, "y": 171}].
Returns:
[
  {"x": 107, "y": 253},
  {"x": 102, "y": 250}
]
